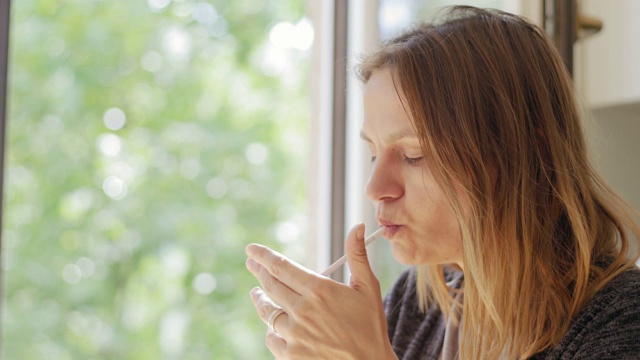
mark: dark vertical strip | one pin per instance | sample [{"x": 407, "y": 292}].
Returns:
[
  {"x": 4, "y": 61},
  {"x": 567, "y": 27},
  {"x": 561, "y": 24},
  {"x": 338, "y": 156}
]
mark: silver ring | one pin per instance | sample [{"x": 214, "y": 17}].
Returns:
[{"x": 272, "y": 318}]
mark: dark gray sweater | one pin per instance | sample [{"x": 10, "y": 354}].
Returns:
[{"x": 607, "y": 328}]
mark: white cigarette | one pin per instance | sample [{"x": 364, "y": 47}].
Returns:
[{"x": 336, "y": 265}]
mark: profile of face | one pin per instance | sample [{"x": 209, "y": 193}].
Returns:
[{"x": 420, "y": 223}]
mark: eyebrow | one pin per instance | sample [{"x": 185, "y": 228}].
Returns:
[{"x": 397, "y": 136}]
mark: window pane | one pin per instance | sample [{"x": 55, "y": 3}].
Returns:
[{"x": 148, "y": 143}]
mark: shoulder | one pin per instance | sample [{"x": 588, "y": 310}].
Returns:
[
  {"x": 624, "y": 287},
  {"x": 403, "y": 294},
  {"x": 618, "y": 302},
  {"x": 609, "y": 326},
  {"x": 414, "y": 334},
  {"x": 400, "y": 301}
]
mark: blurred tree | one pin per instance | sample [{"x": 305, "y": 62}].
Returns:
[{"x": 148, "y": 143}]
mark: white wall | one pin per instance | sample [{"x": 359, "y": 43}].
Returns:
[{"x": 608, "y": 80}]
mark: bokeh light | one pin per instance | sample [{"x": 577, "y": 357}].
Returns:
[
  {"x": 256, "y": 153},
  {"x": 204, "y": 283},
  {"x": 114, "y": 118},
  {"x": 177, "y": 43},
  {"x": 286, "y": 35},
  {"x": 158, "y": 5},
  {"x": 109, "y": 144},
  {"x": 204, "y": 13},
  {"x": 72, "y": 273},
  {"x": 216, "y": 188},
  {"x": 114, "y": 187}
]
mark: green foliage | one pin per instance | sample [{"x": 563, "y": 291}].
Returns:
[{"x": 128, "y": 243}]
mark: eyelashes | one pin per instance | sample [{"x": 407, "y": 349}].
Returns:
[
  {"x": 413, "y": 161},
  {"x": 407, "y": 160}
]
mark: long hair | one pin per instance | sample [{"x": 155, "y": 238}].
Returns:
[{"x": 499, "y": 125}]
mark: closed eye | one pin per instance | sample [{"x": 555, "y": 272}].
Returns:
[{"x": 413, "y": 161}]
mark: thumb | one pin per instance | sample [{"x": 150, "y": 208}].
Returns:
[{"x": 361, "y": 273}]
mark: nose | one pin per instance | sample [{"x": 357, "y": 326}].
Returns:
[{"x": 385, "y": 182}]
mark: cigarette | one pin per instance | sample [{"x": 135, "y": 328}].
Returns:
[{"x": 336, "y": 265}]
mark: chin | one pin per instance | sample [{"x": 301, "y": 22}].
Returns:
[{"x": 405, "y": 256}]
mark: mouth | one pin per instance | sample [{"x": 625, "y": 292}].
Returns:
[{"x": 391, "y": 228}]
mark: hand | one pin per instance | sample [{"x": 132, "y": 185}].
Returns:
[{"x": 322, "y": 319}]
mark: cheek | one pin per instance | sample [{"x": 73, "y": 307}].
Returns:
[
  {"x": 443, "y": 223},
  {"x": 436, "y": 218},
  {"x": 428, "y": 203}
]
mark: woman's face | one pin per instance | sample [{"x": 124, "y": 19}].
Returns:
[{"x": 420, "y": 224}]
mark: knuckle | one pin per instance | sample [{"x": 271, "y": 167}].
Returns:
[
  {"x": 266, "y": 280},
  {"x": 270, "y": 341},
  {"x": 279, "y": 266},
  {"x": 375, "y": 283},
  {"x": 274, "y": 344},
  {"x": 271, "y": 338},
  {"x": 268, "y": 283},
  {"x": 264, "y": 310}
]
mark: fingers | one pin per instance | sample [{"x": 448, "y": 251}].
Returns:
[
  {"x": 287, "y": 272},
  {"x": 278, "y": 291},
  {"x": 268, "y": 312},
  {"x": 356, "y": 252},
  {"x": 276, "y": 344}
]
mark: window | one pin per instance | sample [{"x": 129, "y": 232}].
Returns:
[{"x": 147, "y": 143}]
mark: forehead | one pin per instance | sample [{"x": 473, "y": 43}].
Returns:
[
  {"x": 384, "y": 112},
  {"x": 381, "y": 89}
]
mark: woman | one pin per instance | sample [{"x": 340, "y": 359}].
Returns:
[{"x": 482, "y": 181}]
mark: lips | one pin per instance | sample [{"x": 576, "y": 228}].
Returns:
[
  {"x": 384, "y": 222},
  {"x": 391, "y": 227}
]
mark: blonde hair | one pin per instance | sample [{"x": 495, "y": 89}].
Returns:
[{"x": 494, "y": 107}]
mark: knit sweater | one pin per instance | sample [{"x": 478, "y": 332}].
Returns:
[{"x": 607, "y": 328}]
